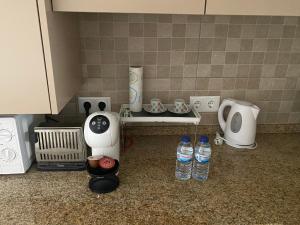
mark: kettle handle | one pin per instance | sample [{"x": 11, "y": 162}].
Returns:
[{"x": 222, "y": 122}]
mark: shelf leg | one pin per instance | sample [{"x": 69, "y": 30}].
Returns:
[{"x": 123, "y": 136}]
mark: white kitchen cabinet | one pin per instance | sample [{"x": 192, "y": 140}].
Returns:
[
  {"x": 131, "y": 6},
  {"x": 253, "y": 7},
  {"x": 39, "y": 57}
]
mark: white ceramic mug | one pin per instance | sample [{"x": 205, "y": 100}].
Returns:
[
  {"x": 156, "y": 105},
  {"x": 180, "y": 106}
]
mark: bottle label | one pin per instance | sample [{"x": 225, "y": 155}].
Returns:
[
  {"x": 186, "y": 155},
  {"x": 203, "y": 156}
]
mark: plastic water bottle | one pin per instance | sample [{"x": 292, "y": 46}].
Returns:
[
  {"x": 184, "y": 159},
  {"x": 201, "y": 160}
]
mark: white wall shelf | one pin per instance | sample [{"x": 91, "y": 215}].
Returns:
[{"x": 129, "y": 117}]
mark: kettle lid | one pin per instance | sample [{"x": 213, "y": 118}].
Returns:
[{"x": 244, "y": 103}]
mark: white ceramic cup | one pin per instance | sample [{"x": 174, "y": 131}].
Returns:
[
  {"x": 156, "y": 105},
  {"x": 180, "y": 106}
]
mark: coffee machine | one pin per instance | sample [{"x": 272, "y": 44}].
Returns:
[{"x": 102, "y": 134}]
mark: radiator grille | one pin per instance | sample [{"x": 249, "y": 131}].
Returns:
[{"x": 60, "y": 145}]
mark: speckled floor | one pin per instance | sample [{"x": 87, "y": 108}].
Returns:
[{"x": 259, "y": 186}]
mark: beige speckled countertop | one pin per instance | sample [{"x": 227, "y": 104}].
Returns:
[{"x": 260, "y": 186}]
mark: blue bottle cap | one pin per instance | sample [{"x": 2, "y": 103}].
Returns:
[
  {"x": 185, "y": 138},
  {"x": 203, "y": 139}
]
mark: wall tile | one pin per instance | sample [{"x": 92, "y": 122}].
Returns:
[
  {"x": 277, "y": 20},
  {"x": 163, "y": 71},
  {"x": 231, "y": 57},
  {"x": 285, "y": 44},
  {"x": 228, "y": 84},
  {"x": 248, "y": 31},
  {"x": 136, "y": 29},
  {"x": 163, "y": 58},
  {"x": 261, "y": 31},
  {"x": 241, "y": 83},
  {"x": 190, "y": 70},
  {"x": 253, "y": 83},
  {"x": 296, "y": 44},
  {"x": 246, "y": 44},
  {"x": 218, "y": 58},
  {"x": 192, "y": 44},
  {"x": 263, "y": 19},
  {"x": 233, "y": 44},
  {"x": 215, "y": 83},
  {"x": 221, "y": 31},
  {"x": 177, "y": 57},
  {"x": 270, "y": 58},
  {"x": 150, "y": 30},
  {"x": 259, "y": 45},
  {"x": 245, "y": 58},
  {"x": 217, "y": 70},
  {"x": 149, "y": 71},
  {"x": 150, "y": 58},
  {"x": 257, "y": 58},
  {"x": 243, "y": 70},
  {"x": 275, "y": 31},
  {"x": 205, "y": 44},
  {"x": 273, "y": 44},
  {"x": 150, "y": 44},
  {"x": 202, "y": 83},
  {"x": 121, "y": 29},
  {"x": 176, "y": 71},
  {"x": 106, "y": 29},
  {"x": 164, "y": 44},
  {"x": 219, "y": 44},
  {"x": 204, "y": 70},
  {"x": 192, "y": 30},
  {"x": 121, "y": 44},
  {"x": 234, "y": 31},
  {"x": 190, "y": 58},
  {"x": 179, "y": 30},
  {"x": 89, "y": 28},
  {"x": 230, "y": 70},
  {"x": 289, "y": 31},
  {"x": 122, "y": 57},
  {"x": 207, "y": 30},
  {"x": 176, "y": 83},
  {"x": 178, "y": 43},
  {"x": 188, "y": 84},
  {"x": 280, "y": 70},
  {"x": 165, "y": 18}
]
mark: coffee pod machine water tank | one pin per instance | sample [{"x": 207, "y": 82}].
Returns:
[{"x": 102, "y": 134}]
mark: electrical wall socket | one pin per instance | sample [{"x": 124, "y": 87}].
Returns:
[
  {"x": 205, "y": 103},
  {"x": 94, "y": 103}
]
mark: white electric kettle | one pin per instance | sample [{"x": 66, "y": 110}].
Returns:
[{"x": 240, "y": 127}]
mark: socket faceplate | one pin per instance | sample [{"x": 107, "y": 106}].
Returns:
[
  {"x": 205, "y": 103},
  {"x": 94, "y": 102}
]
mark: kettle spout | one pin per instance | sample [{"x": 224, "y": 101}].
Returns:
[{"x": 255, "y": 110}]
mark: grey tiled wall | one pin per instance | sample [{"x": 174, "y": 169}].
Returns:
[{"x": 245, "y": 57}]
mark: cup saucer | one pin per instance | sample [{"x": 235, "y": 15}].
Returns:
[
  {"x": 171, "y": 109},
  {"x": 148, "y": 109}
]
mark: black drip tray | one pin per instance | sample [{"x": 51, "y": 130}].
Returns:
[{"x": 61, "y": 166}]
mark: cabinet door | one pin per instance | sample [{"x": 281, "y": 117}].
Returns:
[
  {"x": 131, "y": 6},
  {"x": 23, "y": 81},
  {"x": 253, "y": 7},
  {"x": 60, "y": 35}
]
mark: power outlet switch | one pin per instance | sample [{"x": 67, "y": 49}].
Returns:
[{"x": 205, "y": 103}]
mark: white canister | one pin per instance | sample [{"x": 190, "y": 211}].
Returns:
[{"x": 136, "y": 88}]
